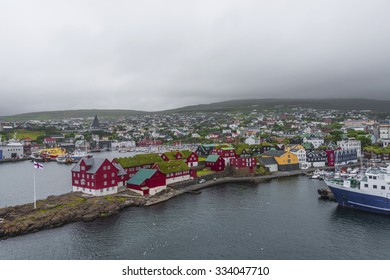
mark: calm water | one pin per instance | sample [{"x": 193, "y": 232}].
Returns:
[{"x": 282, "y": 219}]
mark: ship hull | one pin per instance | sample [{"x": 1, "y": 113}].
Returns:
[{"x": 354, "y": 198}]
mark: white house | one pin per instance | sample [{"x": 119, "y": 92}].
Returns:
[
  {"x": 252, "y": 141},
  {"x": 384, "y": 131},
  {"x": 351, "y": 144},
  {"x": 301, "y": 154},
  {"x": 316, "y": 141},
  {"x": 12, "y": 150}
]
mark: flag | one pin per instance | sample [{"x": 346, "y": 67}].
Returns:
[{"x": 37, "y": 165}]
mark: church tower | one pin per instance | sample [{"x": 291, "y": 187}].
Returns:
[{"x": 95, "y": 124}]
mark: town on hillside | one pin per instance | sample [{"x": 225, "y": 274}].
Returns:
[{"x": 163, "y": 149}]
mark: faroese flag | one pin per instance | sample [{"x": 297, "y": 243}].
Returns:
[{"x": 37, "y": 165}]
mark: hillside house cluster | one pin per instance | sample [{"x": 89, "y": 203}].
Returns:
[{"x": 148, "y": 174}]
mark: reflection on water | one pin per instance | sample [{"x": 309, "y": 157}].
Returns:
[{"x": 282, "y": 219}]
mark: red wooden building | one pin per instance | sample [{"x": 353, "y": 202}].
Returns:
[
  {"x": 142, "y": 161},
  {"x": 190, "y": 158},
  {"x": 148, "y": 142},
  {"x": 330, "y": 157},
  {"x": 97, "y": 176},
  {"x": 147, "y": 182},
  {"x": 174, "y": 171},
  {"x": 249, "y": 163},
  {"x": 215, "y": 163},
  {"x": 50, "y": 141},
  {"x": 225, "y": 153}
]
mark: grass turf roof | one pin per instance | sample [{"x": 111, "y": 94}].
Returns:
[
  {"x": 172, "y": 166},
  {"x": 138, "y": 160}
]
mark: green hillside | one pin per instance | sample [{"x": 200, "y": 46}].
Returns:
[
  {"x": 73, "y": 114},
  {"x": 376, "y": 106}
]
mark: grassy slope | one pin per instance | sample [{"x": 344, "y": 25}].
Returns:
[{"x": 232, "y": 105}]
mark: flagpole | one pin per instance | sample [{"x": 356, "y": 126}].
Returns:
[{"x": 35, "y": 201}]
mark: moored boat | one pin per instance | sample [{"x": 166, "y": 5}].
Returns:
[
  {"x": 369, "y": 193},
  {"x": 64, "y": 159},
  {"x": 79, "y": 154},
  {"x": 52, "y": 153}
]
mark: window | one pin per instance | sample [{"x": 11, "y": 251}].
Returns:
[
  {"x": 366, "y": 185},
  {"x": 383, "y": 187},
  {"x": 107, "y": 189},
  {"x": 109, "y": 167},
  {"x": 370, "y": 177},
  {"x": 105, "y": 183},
  {"x": 112, "y": 174},
  {"x": 104, "y": 175},
  {"x": 82, "y": 167},
  {"x": 104, "y": 167},
  {"x": 113, "y": 182},
  {"x": 374, "y": 186}
]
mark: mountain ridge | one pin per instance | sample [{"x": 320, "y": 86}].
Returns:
[{"x": 378, "y": 106}]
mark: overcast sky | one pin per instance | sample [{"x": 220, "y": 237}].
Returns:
[{"x": 155, "y": 55}]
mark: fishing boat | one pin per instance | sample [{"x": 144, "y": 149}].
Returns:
[
  {"x": 40, "y": 157},
  {"x": 368, "y": 192},
  {"x": 52, "y": 153},
  {"x": 67, "y": 159},
  {"x": 79, "y": 154}
]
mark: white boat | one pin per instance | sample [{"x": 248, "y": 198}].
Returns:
[
  {"x": 79, "y": 154},
  {"x": 370, "y": 192},
  {"x": 64, "y": 159}
]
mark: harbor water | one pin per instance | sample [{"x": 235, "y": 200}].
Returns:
[{"x": 282, "y": 219}]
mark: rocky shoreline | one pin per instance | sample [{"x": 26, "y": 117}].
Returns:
[{"x": 55, "y": 211}]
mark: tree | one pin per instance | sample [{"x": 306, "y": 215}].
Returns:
[{"x": 365, "y": 141}]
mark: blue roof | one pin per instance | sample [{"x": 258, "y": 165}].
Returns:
[
  {"x": 141, "y": 176},
  {"x": 212, "y": 158}
]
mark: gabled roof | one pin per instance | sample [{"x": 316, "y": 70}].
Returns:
[
  {"x": 212, "y": 158},
  {"x": 186, "y": 153},
  {"x": 208, "y": 145},
  {"x": 93, "y": 163},
  {"x": 267, "y": 160},
  {"x": 170, "y": 155},
  {"x": 138, "y": 160},
  {"x": 121, "y": 171},
  {"x": 275, "y": 153},
  {"x": 141, "y": 176},
  {"x": 307, "y": 145},
  {"x": 171, "y": 166}
]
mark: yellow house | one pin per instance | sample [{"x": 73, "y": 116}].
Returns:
[
  {"x": 286, "y": 161},
  {"x": 293, "y": 146}
]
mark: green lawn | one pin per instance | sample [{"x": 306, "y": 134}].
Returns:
[
  {"x": 22, "y": 134},
  {"x": 204, "y": 172}
]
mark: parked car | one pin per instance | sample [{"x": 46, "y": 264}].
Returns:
[{"x": 202, "y": 181}]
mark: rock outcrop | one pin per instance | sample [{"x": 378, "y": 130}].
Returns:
[{"x": 55, "y": 211}]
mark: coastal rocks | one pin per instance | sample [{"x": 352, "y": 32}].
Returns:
[{"x": 56, "y": 211}]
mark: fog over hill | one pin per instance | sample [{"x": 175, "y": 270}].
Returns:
[{"x": 376, "y": 106}]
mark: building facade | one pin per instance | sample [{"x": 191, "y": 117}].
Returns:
[
  {"x": 97, "y": 177},
  {"x": 351, "y": 144}
]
